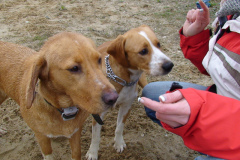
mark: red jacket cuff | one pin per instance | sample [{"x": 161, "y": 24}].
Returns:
[{"x": 196, "y": 39}]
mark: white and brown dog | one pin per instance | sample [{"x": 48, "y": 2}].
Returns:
[
  {"x": 68, "y": 69},
  {"x": 126, "y": 58}
]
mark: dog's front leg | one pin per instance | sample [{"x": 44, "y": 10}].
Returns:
[
  {"x": 45, "y": 144},
  {"x": 75, "y": 143},
  {"x": 92, "y": 153},
  {"x": 123, "y": 113}
]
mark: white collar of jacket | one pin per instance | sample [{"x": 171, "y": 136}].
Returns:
[{"x": 233, "y": 25}]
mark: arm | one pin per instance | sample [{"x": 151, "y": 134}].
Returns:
[
  {"x": 194, "y": 48},
  {"x": 207, "y": 122},
  {"x": 196, "y": 20},
  {"x": 194, "y": 39},
  {"x": 213, "y": 126}
]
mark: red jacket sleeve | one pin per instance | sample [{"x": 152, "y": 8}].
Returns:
[
  {"x": 195, "y": 48},
  {"x": 213, "y": 127}
]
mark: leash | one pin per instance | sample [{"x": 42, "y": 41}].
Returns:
[
  {"x": 98, "y": 119},
  {"x": 114, "y": 77}
]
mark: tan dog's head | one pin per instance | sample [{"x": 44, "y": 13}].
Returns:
[
  {"x": 139, "y": 49},
  {"x": 69, "y": 69}
]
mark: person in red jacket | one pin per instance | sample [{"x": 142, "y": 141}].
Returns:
[{"x": 207, "y": 118}]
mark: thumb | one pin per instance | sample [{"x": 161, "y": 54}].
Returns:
[{"x": 171, "y": 97}]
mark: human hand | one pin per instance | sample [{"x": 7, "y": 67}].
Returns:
[
  {"x": 173, "y": 109},
  {"x": 197, "y": 20}
]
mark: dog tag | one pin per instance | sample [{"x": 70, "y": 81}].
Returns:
[{"x": 69, "y": 113}]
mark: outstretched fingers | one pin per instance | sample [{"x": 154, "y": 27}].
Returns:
[{"x": 170, "y": 103}]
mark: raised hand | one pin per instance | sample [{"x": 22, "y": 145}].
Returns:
[{"x": 196, "y": 20}]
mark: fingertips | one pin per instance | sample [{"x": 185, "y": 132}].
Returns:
[
  {"x": 140, "y": 100},
  {"x": 170, "y": 97},
  {"x": 162, "y": 98},
  {"x": 145, "y": 100},
  {"x": 151, "y": 104},
  {"x": 190, "y": 15}
]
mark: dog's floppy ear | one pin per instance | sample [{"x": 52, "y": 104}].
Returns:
[
  {"x": 117, "y": 50},
  {"x": 31, "y": 77}
]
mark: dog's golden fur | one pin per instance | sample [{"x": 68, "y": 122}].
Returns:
[{"x": 68, "y": 72}]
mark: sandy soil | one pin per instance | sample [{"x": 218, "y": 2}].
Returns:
[{"x": 30, "y": 23}]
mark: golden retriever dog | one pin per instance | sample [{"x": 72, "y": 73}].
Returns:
[{"x": 56, "y": 88}]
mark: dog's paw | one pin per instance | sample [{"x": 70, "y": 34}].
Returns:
[
  {"x": 91, "y": 155},
  {"x": 48, "y": 157},
  {"x": 119, "y": 146},
  {"x": 2, "y": 131}
]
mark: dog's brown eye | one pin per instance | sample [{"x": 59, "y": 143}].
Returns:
[
  {"x": 75, "y": 69},
  {"x": 100, "y": 61},
  {"x": 158, "y": 45},
  {"x": 144, "y": 51}
]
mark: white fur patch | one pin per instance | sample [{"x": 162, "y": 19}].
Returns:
[
  {"x": 135, "y": 74},
  {"x": 100, "y": 83},
  {"x": 69, "y": 136},
  {"x": 158, "y": 57},
  {"x": 76, "y": 42},
  {"x": 48, "y": 157}
]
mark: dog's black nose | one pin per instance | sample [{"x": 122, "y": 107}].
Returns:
[
  {"x": 167, "y": 66},
  {"x": 110, "y": 97}
]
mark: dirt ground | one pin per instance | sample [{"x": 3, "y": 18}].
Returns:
[{"x": 30, "y": 23}]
